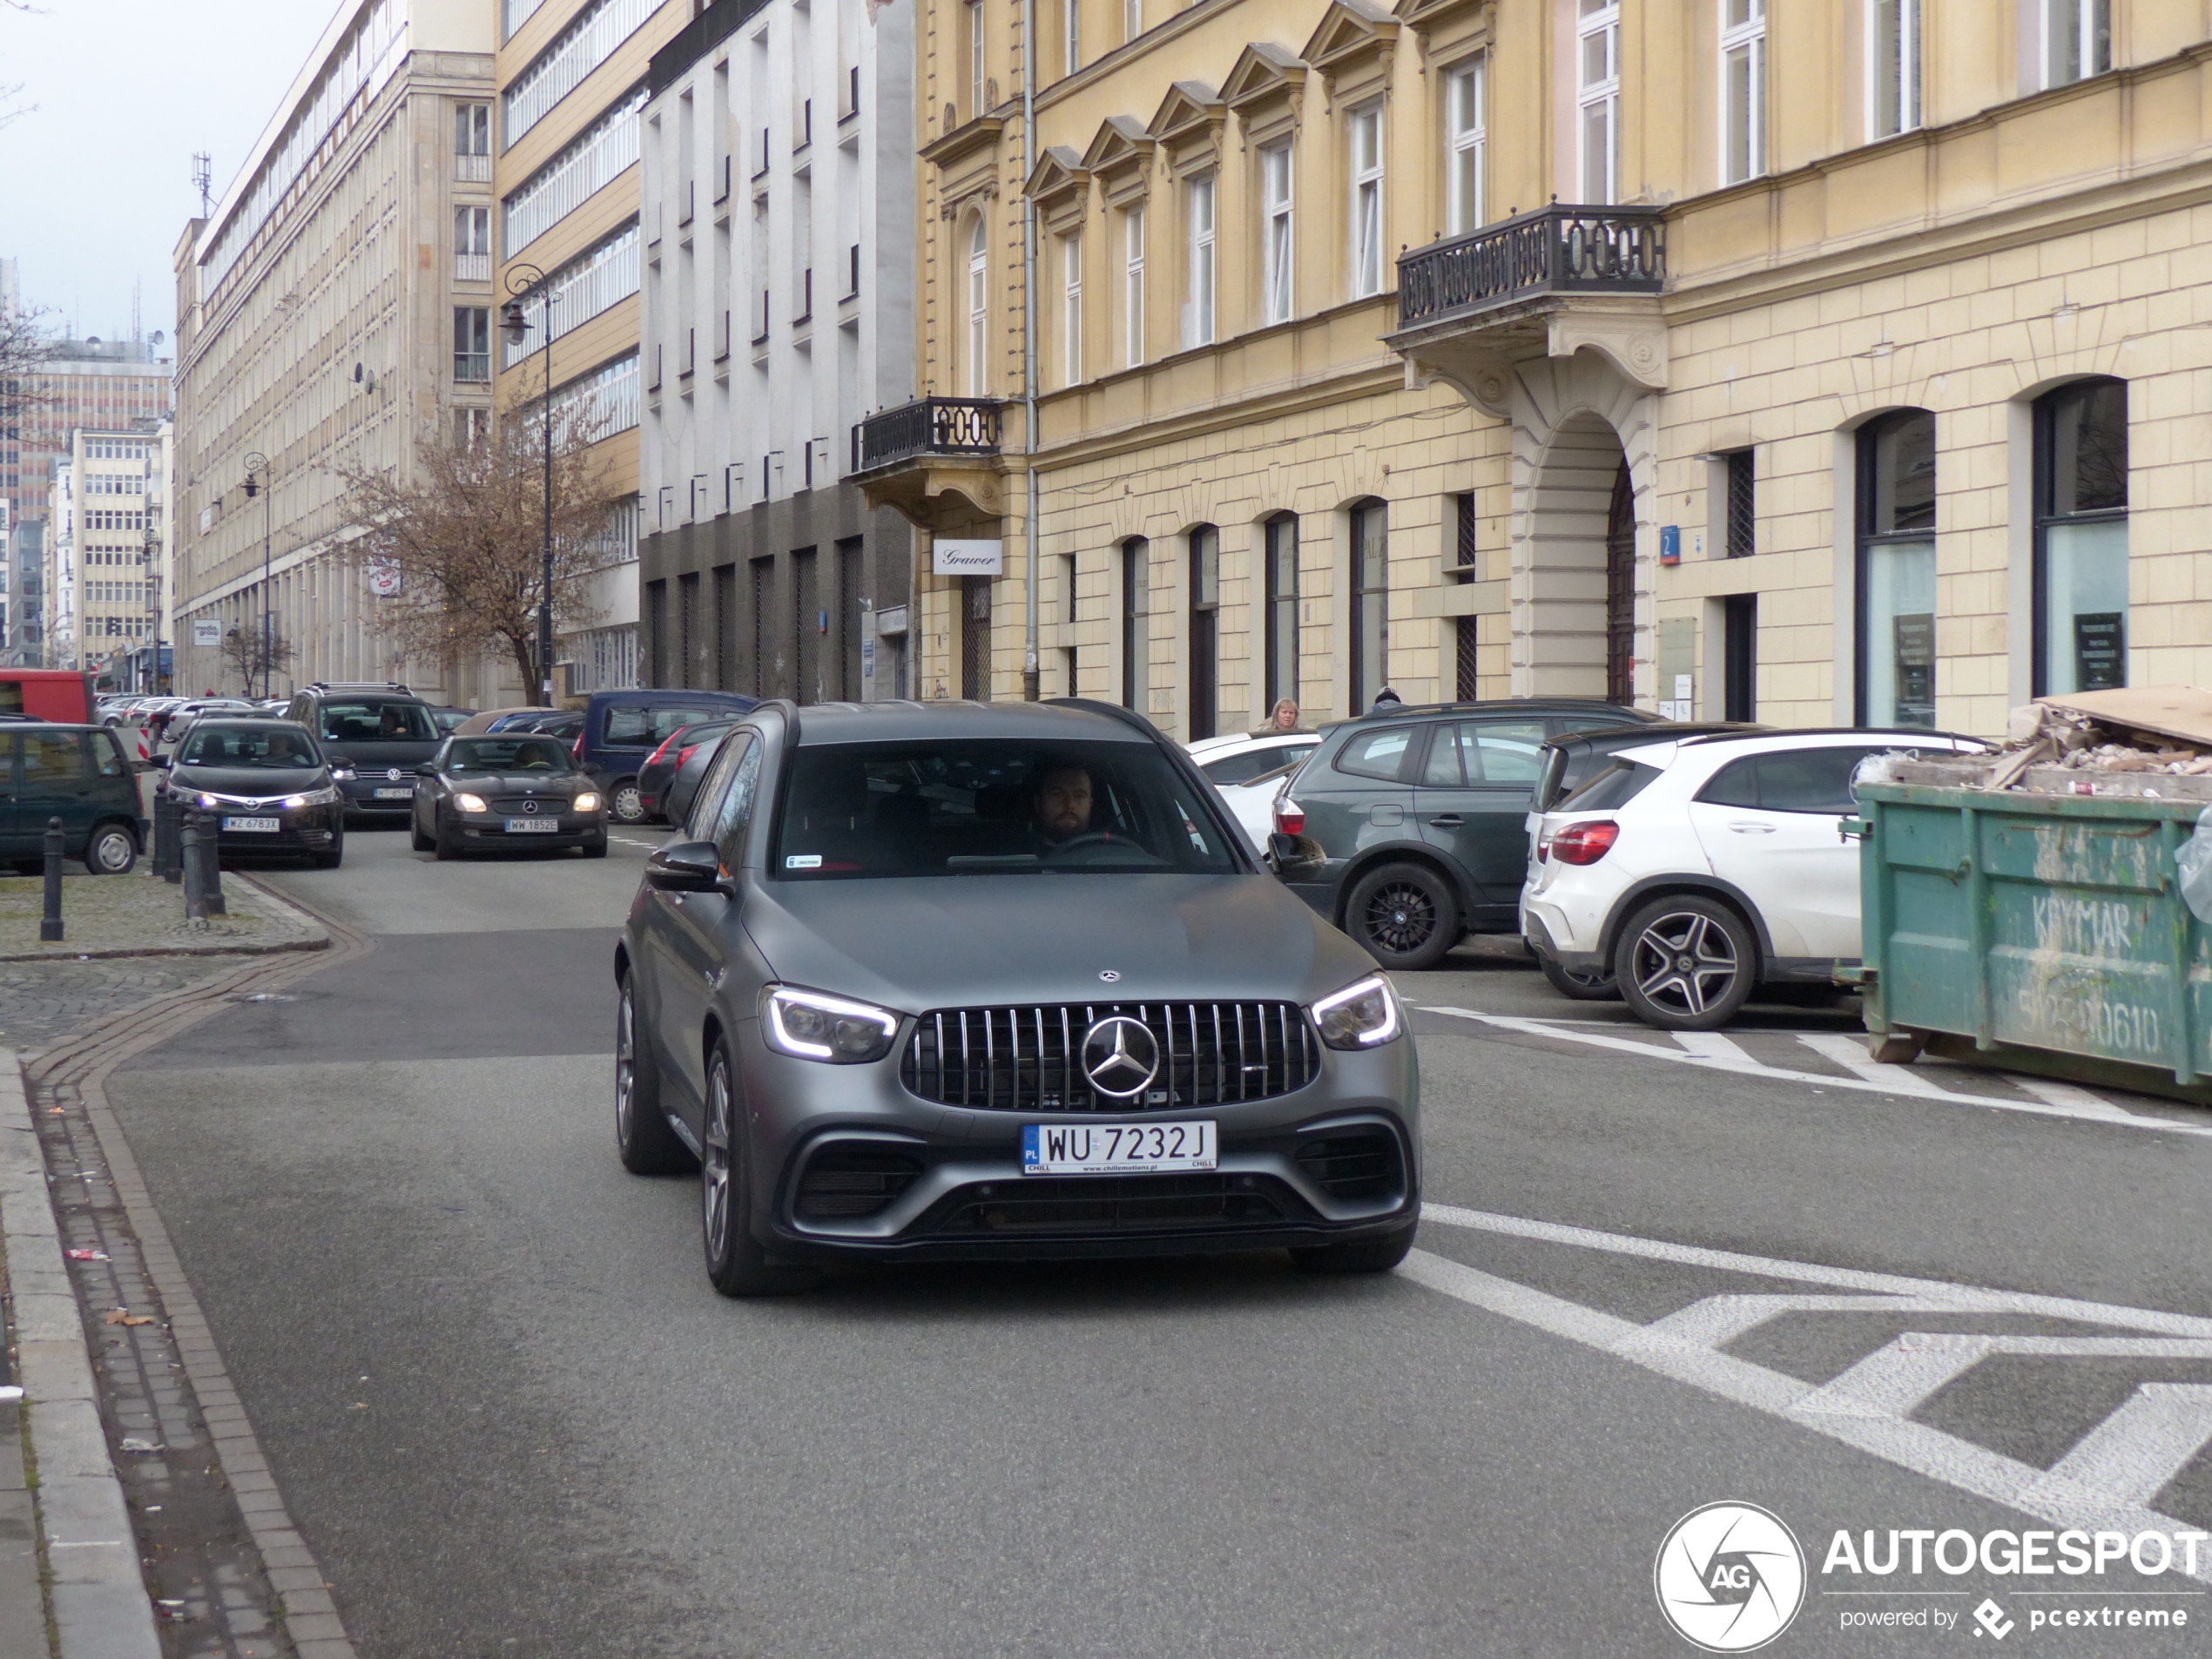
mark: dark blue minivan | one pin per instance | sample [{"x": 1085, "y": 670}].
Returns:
[{"x": 621, "y": 729}]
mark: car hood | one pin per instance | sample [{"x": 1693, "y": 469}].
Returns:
[
  {"x": 952, "y": 941},
  {"x": 519, "y": 783},
  {"x": 249, "y": 780}
]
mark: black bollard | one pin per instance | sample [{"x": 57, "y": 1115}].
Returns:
[
  {"x": 50, "y": 924},
  {"x": 168, "y": 859},
  {"x": 188, "y": 857},
  {"x": 210, "y": 865}
]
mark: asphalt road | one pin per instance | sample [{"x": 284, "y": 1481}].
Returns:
[{"x": 512, "y": 1418}]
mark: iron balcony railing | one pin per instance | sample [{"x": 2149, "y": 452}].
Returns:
[
  {"x": 930, "y": 426},
  {"x": 1559, "y": 249}
]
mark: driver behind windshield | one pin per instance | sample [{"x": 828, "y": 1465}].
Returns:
[{"x": 1063, "y": 804}]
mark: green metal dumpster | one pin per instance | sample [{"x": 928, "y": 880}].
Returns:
[{"x": 2042, "y": 931}]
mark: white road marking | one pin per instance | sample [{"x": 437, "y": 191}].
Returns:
[
  {"x": 1850, "y": 1054},
  {"x": 1560, "y": 1029},
  {"x": 2068, "y": 1097},
  {"x": 2105, "y": 1482},
  {"x": 1722, "y": 1051}
]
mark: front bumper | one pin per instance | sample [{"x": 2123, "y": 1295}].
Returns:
[
  {"x": 1335, "y": 1161},
  {"x": 302, "y": 829}
]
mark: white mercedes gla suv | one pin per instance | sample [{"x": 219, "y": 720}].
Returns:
[{"x": 1697, "y": 870}]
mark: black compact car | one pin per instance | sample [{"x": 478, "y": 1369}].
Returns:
[
  {"x": 507, "y": 792},
  {"x": 375, "y": 736},
  {"x": 77, "y": 774},
  {"x": 961, "y": 980},
  {"x": 1408, "y": 827},
  {"x": 269, "y": 785},
  {"x": 659, "y": 772}
]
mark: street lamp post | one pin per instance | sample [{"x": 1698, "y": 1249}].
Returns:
[
  {"x": 523, "y": 280},
  {"x": 257, "y": 483}
]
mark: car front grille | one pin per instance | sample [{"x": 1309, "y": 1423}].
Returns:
[
  {"x": 1030, "y": 1059},
  {"x": 519, "y": 805},
  {"x": 1116, "y": 1203},
  {"x": 1353, "y": 1165},
  {"x": 845, "y": 1182}
]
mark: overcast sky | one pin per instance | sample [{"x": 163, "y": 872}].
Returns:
[{"x": 96, "y": 182}]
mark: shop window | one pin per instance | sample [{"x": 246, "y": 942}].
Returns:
[
  {"x": 1897, "y": 570},
  {"x": 2081, "y": 537}
]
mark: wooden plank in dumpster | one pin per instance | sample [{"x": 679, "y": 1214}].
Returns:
[
  {"x": 2048, "y": 924},
  {"x": 2181, "y": 712}
]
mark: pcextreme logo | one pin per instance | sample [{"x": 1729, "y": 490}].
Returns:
[{"x": 1730, "y": 1577}]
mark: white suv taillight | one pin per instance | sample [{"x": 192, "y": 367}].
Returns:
[
  {"x": 1290, "y": 817},
  {"x": 1585, "y": 843}
]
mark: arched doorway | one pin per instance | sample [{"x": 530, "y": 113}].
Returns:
[{"x": 1576, "y": 626}]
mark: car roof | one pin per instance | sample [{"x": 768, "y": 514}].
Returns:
[
  {"x": 1061, "y": 719},
  {"x": 250, "y": 720},
  {"x": 1922, "y": 733},
  {"x": 1664, "y": 730},
  {"x": 1507, "y": 705}
]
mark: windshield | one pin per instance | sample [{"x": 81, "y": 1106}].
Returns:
[
  {"x": 241, "y": 745},
  {"x": 377, "y": 723},
  {"x": 509, "y": 754},
  {"x": 857, "y": 811}
]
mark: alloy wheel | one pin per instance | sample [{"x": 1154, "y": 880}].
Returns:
[
  {"x": 1685, "y": 963},
  {"x": 714, "y": 1167},
  {"x": 1400, "y": 917},
  {"x": 625, "y": 1061}
]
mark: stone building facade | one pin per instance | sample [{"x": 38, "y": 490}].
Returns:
[
  {"x": 1834, "y": 366},
  {"x": 779, "y": 223}
]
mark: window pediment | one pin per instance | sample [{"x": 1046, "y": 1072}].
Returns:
[
  {"x": 1059, "y": 185},
  {"x": 1350, "y": 48},
  {"x": 1264, "y": 74},
  {"x": 1119, "y": 157},
  {"x": 1443, "y": 25}
]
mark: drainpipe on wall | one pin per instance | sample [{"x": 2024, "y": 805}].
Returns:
[{"x": 1029, "y": 678}]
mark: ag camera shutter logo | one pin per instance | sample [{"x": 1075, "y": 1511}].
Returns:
[{"x": 1730, "y": 1577}]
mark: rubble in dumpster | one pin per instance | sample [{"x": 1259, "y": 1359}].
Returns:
[{"x": 2144, "y": 743}]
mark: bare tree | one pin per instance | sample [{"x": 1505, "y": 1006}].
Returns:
[
  {"x": 256, "y": 656},
  {"x": 462, "y": 540},
  {"x": 24, "y": 351}
]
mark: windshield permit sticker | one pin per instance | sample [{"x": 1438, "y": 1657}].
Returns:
[{"x": 804, "y": 861}]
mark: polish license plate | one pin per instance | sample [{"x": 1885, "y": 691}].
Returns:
[
  {"x": 258, "y": 825},
  {"x": 532, "y": 825},
  {"x": 1115, "y": 1149},
  {"x": 396, "y": 794}
]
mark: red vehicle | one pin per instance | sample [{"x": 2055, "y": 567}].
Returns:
[{"x": 59, "y": 694}]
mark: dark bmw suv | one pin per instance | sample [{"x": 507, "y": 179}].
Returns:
[
  {"x": 966, "y": 980},
  {"x": 1409, "y": 828}
]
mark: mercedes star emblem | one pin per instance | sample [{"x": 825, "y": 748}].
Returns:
[
  {"x": 1109, "y": 976},
  {"x": 1121, "y": 1057},
  {"x": 530, "y": 805}
]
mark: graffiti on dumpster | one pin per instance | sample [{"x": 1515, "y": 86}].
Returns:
[
  {"x": 2083, "y": 927},
  {"x": 2062, "y": 1020}
]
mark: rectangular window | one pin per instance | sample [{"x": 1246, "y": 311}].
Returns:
[
  {"x": 1370, "y": 664},
  {"x": 1460, "y": 563},
  {"x": 1071, "y": 38},
  {"x": 1743, "y": 505},
  {"x": 472, "y": 244},
  {"x": 1133, "y": 283},
  {"x": 1132, "y": 19},
  {"x": 472, "y": 143},
  {"x": 1071, "y": 307},
  {"x": 1466, "y": 116},
  {"x": 1367, "y": 237},
  {"x": 1137, "y": 578},
  {"x": 1892, "y": 67},
  {"x": 1205, "y": 631},
  {"x": 1197, "y": 307},
  {"x": 1276, "y": 246},
  {"x": 1739, "y": 657},
  {"x": 1282, "y": 610},
  {"x": 2082, "y": 580},
  {"x": 2077, "y": 40},
  {"x": 1742, "y": 90},
  {"x": 975, "y": 59},
  {"x": 1896, "y": 645},
  {"x": 1597, "y": 97},
  {"x": 472, "y": 343}
]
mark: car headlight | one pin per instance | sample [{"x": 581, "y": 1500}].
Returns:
[
  {"x": 587, "y": 802},
  {"x": 815, "y": 1026},
  {"x": 313, "y": 797},
  {"x": 207, "y": 803},
  {"x": 1358, "y": 1016},
  {"x": 469, "y": 803}
]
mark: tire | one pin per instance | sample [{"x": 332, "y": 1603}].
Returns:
[
  {"x": 448, "y": 843},
  {"x": 1377, "y": 1255},
  {"x": 1716, "y": 943},
  {"x": 643, "y": 1138},
  {"x": 735, "y": 1262},
  {"x": 1404, "y": 915},
  {"x": 423, "y": 843},
  {"x": 111, "y": 850},
  {"x": 624, "y": 804},
  {"x": 332, "y": 856},
  {"x": 595, "y": 849},
  {"x": 1580, "y": 985}
]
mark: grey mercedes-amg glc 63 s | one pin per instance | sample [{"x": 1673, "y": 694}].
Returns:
[{"x": 970, "y": 981}]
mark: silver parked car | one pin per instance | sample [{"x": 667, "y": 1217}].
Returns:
[{"x": 999, "y": 981}]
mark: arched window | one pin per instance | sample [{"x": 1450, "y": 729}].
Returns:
[
  {"x": 1897, "y": 570},
  {"x": 1281, "y": 644},
  {"x": 2081, "y": 537},
  {"x": 1205, "y": 631},
  {"x": 1370, "y": 588},
  {"x": 979, "y": 307},
  {"x": 1136, "y": 657}
]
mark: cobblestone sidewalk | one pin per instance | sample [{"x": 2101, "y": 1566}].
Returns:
[{"x": 139, "y": 914}]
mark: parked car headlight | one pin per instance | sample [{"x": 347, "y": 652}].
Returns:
[
  {"x": 587, "y": 802},
  {"x": 1358, "y": 1016},
  {"x": 815, "y": 1026},
  {"x": 469, "y": 803}
]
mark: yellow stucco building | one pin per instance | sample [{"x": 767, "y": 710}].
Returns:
[{"x": 1844, "y": 365}]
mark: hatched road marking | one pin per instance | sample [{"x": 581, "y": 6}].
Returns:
[
  {"x": 2107, "y": 1481},
  {"x": 2035, "y": 1096}
]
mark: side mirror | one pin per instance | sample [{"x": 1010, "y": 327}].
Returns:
[
  {"x": 426, "y": 770},
  {"x": 687, "y": 866},
  {"x": 1281, "y": 848},
  {"x": 160, "y": 763}
]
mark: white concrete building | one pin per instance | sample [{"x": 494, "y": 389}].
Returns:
[
  {"x": 108, "y": 563},
  {"x": 778, "y": 230}
]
